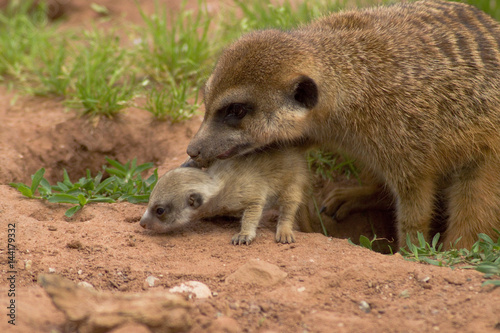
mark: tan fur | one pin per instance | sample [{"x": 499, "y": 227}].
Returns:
[
  {"x": 242, "y": 186},
  {"x": 412, "y": 91}
]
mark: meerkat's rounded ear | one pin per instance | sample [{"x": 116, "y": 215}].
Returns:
[
  {"x": 195, "y": 200},
  {"x": 306, "y": 92}
]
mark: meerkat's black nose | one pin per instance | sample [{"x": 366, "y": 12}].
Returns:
[{"x": 193, "y": 152}]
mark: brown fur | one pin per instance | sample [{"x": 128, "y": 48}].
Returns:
[
  {"x": 242, "y": 186},
  {"x": 412, "y": 91}
]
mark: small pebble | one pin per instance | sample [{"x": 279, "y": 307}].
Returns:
[
  {"x": 27, "y": 264},
  {"x": 151, "y": 280},
  {"x": 200, "y": 290},
  {"x": 404, "y": 294},
  {"x": 52, "y": 270},
  {"x": 80, "y": 272},
  {"x": 85, "y": 285},
  {"x": 301, "y": 289},
  {"x": 364, "y": 306}
]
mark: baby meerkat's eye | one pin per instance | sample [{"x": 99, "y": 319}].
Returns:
[{"x": 161, "y": 210}]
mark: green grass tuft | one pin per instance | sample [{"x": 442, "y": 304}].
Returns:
[
  {"x": 104, "y": 82},
  {"x": 172, "y": 102},
  {"x": 326, "y": 164},
  {"x": 484, "y": 254},
  {"x": 175, "y": 47},
  {"x": 124, "y": 184}
]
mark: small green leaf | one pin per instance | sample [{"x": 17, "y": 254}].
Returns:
[
  {"x": 151, "y": 181},
  {"x": 25, "y": 190},
  {"x": 432, "y": 261},
  {"x": 63, "y": 187},
  {"x": 104, "y": 184},
  {"x": 137, "y": 198},
  {"x": 70, "y": 212},
  {"x": 36, "y": 179},
  {"x": 493, "y": 282},
  {"x": 117, "y": 165},
  {"x": 101, "y": 199},
  {"x": 66, "y": 179},
  {"x": 365, "y": 242},
  {"x": 46, "y": 186},
  {"x": 64, "y": 198},
  {"x": 435, "y": 240},
  {"x": 82, "y": 200},
  {"x": 116, "y": 172},
  {"x": 486, "y": 238},
  {"x": 143, "y": 167}
]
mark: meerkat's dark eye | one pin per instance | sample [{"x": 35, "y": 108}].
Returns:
[
  {"x": 233, "y": 113},
  {"x": 237, "y": 110},
  {"x": 160, "y": 210}
]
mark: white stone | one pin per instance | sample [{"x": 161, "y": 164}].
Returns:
[
  {"x": 151, "y": 280},
  {"x": 200, "y": 290},
  {"x": 85, "y": 285}
]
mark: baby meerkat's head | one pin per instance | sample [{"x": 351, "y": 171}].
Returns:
[{"x": 176, "y": 198}]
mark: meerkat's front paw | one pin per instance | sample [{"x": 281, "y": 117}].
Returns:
[
  {"x": 239, "y": 239},
  {"x": 285, "y": 235}
]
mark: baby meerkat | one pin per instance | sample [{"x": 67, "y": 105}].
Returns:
[
  {"x": 411, "y": 91},
  {"x": 244, "y": 186}
]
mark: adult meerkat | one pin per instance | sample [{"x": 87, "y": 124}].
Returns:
[
  {"x": 244, "y": 186},
  {"x": 412, "y": 91}
]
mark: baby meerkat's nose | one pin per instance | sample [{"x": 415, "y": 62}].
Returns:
[{"x": 144, "y": 219}]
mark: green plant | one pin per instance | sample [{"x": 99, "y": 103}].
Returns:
[
  {"x": 484, "y": 254},
  {"x": 373, "y": 244},
  {"x": 104, "y": 84},
  {"x": 176, "y": 47},
  {"x": 262, "y": 14},
  {"x": 24, "y": 30},
  {"x": 172, "y": 102},
  {"x": 325, "y": 164},
  {"x": 124, "y": 184}
]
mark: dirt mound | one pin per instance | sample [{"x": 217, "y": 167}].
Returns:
[
  {"x": 329, "y": 284},
  {"x": 39, "y": 132}
]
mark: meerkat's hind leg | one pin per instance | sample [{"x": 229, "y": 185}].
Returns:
[
  {"x": 343, "y": 201},
  {"x": 474, "y": 203},
  {"x": 249, "y": 223},
  {"x": 414, "y": 210}
]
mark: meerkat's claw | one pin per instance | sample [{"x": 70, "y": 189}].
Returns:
[
  {"x": 285, "y": 237},
  {"x": 239, "y": 239}
]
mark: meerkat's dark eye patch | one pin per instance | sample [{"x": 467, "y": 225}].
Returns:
[
  {"x": 306, "y": 92},
  {"x": 233, "y": 113}
]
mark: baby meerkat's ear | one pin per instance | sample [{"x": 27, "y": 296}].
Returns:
[
  {"x": 306, "y": 92},
  {"x": 195, "y": 200}
]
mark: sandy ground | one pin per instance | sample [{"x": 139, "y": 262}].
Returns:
[{"x": 318, "y": 284}]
